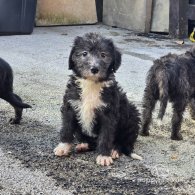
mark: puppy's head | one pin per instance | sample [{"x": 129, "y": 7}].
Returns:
[{"x": 94, "y": 57}]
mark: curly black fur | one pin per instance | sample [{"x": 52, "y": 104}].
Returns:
[
  {"x": 6, "y": 91},
  {"x": 171, "y": 78},
  {"x": 115, "y": 125}
]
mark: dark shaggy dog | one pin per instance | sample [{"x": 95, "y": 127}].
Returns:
[
  {"x": 96, "y": 111},
  {"x": 6, "y": 91},
  {"x": 172, "y": 77}
]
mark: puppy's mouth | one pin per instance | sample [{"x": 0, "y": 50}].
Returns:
[{"x": 93, "y": 75}]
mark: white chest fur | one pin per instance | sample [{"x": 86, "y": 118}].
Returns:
[{"x": 89, "y": 102}]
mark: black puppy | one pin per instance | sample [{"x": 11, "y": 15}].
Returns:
[
  {"x": 95, "y": 110},
  {"x": 6, "y": 91},
  {"x": 172, "y": 77}
]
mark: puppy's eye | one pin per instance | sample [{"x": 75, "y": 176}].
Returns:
[
  {"x": 103, "y": 55},
  {"x": 84, "y": 53}
]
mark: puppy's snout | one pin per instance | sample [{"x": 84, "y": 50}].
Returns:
[{"x": 94, "y": 70}]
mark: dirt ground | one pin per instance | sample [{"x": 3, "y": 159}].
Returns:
[{"x": 27, "y": 163}]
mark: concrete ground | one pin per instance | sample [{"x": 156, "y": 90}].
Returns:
[{"x": 27, "y": 163}]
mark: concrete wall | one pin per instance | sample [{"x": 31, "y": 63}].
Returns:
[
  {"x": 160, "y": 16},
  {"x": 129, "y": 14},
  {"x": 59, "y": 12}
]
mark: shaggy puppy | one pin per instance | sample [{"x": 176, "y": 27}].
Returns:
[
  {"x": 172, "y": 77},
  {"x": 95, "y": 109},
  {"x": 6, "y": 91}
]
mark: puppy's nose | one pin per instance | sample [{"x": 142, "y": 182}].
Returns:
[{"x": 94, "y": 70}]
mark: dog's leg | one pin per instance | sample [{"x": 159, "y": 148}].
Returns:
[
  {"x": 192, "y": 108},
  {"x": 178, "y": 109},
  {"x": 18, "y": 116},
  {"x": 67, "y": 131},
  {"x": 18, "y": 112},
  {"x": 105, "y": 140},
  {"x": 148, "y": 106}
]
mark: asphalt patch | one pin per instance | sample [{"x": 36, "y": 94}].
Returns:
[{"x": 33, "y": 142}]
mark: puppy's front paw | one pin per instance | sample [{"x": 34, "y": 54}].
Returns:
[
  {"x": 115, "y": 154},
  {"x": 63, "y": 149},
  {"x": 82, "y": 147},
  {"x": 104, "y": 160}
]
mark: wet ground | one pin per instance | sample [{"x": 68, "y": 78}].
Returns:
[{"x": 28, "y": 165}]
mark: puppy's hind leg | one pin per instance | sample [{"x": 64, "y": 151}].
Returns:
[
  {"x": 18, "y": 116},
  {"x": 18, "y": 112},
  {"x": 85, "y": 144},
  {"x": 82, "y": 147},
  {"x": 115, "y": 154},
  {"x": 127, "y": 150},
  {"x": 178, "y": 109},
  {"x": 149, "y": 102},
  {"x": 127, "y": 132}
]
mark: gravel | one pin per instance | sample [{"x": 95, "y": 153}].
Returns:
[{"x": 28, "y": 165}]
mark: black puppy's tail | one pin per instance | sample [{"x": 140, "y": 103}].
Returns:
[
  {"x": 162, "y": 80},
  {"x": 16, "y": 101}
]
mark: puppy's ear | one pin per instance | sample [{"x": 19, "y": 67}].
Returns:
[
  {"x": 192, "y": 50},
  {"x": 78, "y": 41},
  {"x": 70, "y": 61},
  {"x": 117, "y": 60}
]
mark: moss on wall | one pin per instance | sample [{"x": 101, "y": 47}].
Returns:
[{"x": 57, "y": 19}]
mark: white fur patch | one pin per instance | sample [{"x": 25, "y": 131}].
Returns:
[{"x": 90, "y": 101}]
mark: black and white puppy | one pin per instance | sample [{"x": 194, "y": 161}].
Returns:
[
  {"x": 171, "y": 78},
  {"x": 95, "y": 109},
  {"x": 6, "y": 91}
]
